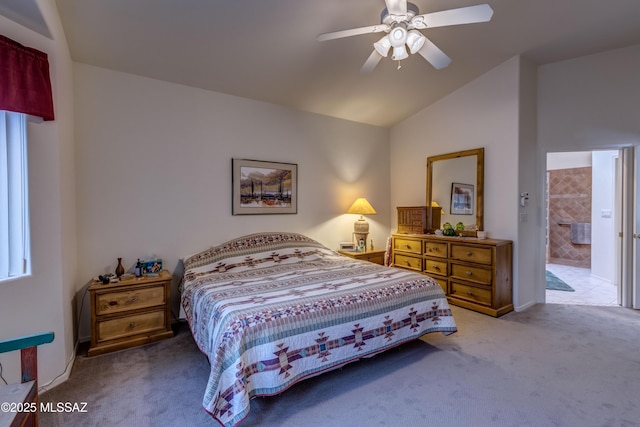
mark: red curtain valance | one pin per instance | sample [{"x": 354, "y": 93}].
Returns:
[{"x": 25, "y": 86}]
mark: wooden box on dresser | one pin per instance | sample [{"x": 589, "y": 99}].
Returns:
[
  {"x": 474, "y": 273},
  {"x": 130, "y": 313}
]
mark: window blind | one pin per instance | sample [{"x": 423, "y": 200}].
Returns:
[{"x": 14, "y": 213}]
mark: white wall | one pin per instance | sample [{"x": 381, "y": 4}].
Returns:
[
  {"x": 42, "y": 302},
  {"x": 574, "y": 159},
  {"x": 484, "y": 113},
  {"x": 529, "y": 249},
  {"x": 592, "y": 102},
  {"x": 154, "y": 170}
]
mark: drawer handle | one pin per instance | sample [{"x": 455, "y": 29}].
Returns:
[
  {"x": 133, "y": 299},
  {"x": 406, "y": 261},
  {"x": 469, "y": 253},
  {"x": 408, "y": 246},
  {"x": 112, "y": 303},
  {"x": 132, "y": 325},
  {"x": 433, "y": 249},
  {"x": 469, "y": 273},
  {"x": 469, "y": 293},
  {"x": 435, "y": 267}
]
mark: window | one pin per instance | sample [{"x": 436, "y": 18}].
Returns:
[{"x": 14, "y": 197}]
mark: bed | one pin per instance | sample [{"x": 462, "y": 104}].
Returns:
[{"x": 271, "y": 309}]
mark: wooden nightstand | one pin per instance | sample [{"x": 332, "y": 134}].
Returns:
[
  {"x": 377, "y": 257},
  {"x": 130, "y": 313}
]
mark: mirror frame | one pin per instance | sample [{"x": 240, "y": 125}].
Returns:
[{"x": 479, "y": 152}]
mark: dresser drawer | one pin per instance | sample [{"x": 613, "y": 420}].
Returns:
[
  {"x": 471, "y": 253},
  {"x": 408, "y": 245},
  {"x": 471, "y": 293},
  {"x": 435, "y": 266},
  {"x": 409, "y": 262},
  {"x": 438, "y": 249},
  {"x": 115, "y": 302},
  {"x": 471, "y": 273},
  {"x": 131, "y": 325}
]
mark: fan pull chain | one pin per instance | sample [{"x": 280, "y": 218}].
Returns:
[{"x": 399, "y": 66}]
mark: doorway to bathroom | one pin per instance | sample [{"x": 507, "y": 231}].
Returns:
[{"x": 583, "y": 206}]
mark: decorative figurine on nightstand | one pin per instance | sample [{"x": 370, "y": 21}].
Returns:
[
  {"x": 138, "y": 268},
  {"x": 119, "y": 268}
]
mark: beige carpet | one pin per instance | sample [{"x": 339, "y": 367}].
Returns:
[{"x": 551, "y": 365}]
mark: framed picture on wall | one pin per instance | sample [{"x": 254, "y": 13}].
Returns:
[
  {"x": 261, "y": 187},
  {"x": 462, "y": 198}
]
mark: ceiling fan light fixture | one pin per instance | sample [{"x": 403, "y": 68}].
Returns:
[
  {"x": 382, "y": 46},
  {"x": 399, "y": 53},
  {"x": 398, "y": 36},
  {"x": 415, "y": 41},
  {"x": 401, "y": 21}
]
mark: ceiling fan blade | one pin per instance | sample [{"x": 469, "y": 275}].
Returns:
[
  {"x": 434, "y": 55},
  {"x": 463, "y": 15},
  {"x": 353, "y": 32},
  {"x": 371, "y": 62},
  {"x": 396, "y": 7}
]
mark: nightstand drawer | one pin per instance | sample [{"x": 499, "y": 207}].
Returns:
[
  {"x": 471, "y": 253},
  {"x": 116, "y": 302},
  {"x": 412, "y": 263},
  {"x": 472, "y": 293},
  {"x": 374, "y": 258},
  {"x": 407, "y": 245},
  {"x": 435, "y": 266},
  {"x": 438, "y": 249},
  {"x": 131, "y": 325},
  {"x": 470, "y": 273}
]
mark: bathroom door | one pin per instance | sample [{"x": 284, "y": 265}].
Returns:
[
  {"x": 630, "y": 228},
  {"x": 635, "y": 291}
]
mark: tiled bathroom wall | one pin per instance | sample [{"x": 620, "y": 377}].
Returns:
[{"x": 569, "y": 201}]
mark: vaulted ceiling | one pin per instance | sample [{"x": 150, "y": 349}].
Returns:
[{"x": 267, "y": 49}]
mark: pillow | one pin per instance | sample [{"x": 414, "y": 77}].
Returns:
[{"x": 248, "y": 245}]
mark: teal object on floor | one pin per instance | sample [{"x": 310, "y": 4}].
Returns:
[{"x": 554, "y": 283}]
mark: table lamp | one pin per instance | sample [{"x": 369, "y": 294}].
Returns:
[{"x": 361, "y": 227}]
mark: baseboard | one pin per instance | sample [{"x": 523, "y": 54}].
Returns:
[{"x": 525, "y": 306}]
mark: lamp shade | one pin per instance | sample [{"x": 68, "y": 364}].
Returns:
[
  {"x": 398, "y": 36},
  {"x": 361, "y": 207},
  {"x": 415, "y": 41},
  {"x": 435, "y": 204},
  {"x": 399, "y": 53},
  {"x": 382, "y": 46}
]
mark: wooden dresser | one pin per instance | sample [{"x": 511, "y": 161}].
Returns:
[
  {"x": 130, "y": 313},
  {"x": 475, "y": 274}
]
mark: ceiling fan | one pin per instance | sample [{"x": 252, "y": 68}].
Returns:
[{"x": 401, "y": 20}]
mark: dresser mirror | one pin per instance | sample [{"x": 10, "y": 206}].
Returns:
[{"x": 460, "y": 174}]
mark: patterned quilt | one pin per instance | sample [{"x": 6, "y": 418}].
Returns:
[{"x": 271, "y": 309}]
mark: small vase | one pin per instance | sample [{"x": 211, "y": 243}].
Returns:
[{"x": 119, "y": 268}]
